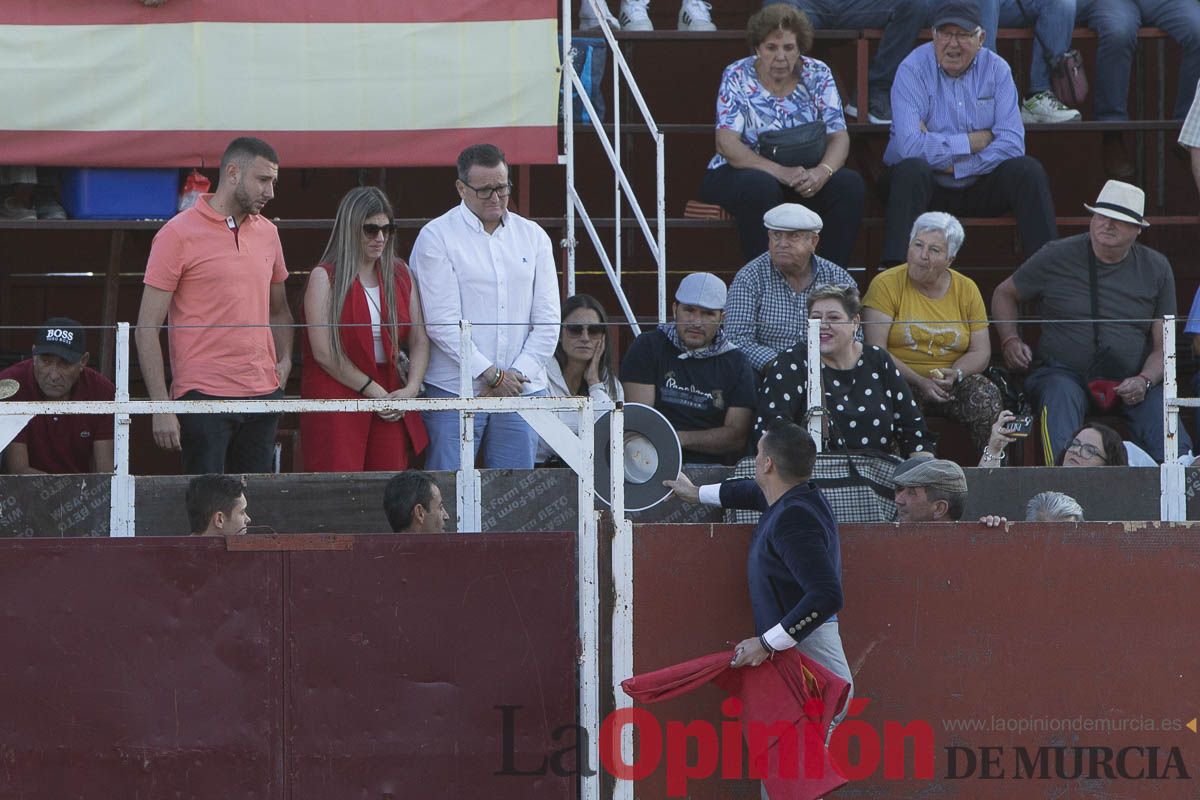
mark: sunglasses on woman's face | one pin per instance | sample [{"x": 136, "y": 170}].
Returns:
[
  {"x": 578, "y": 330},
  {"x": 371, "y": 231}
]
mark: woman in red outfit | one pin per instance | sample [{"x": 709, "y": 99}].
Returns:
[{"x": 379, "y": 350}]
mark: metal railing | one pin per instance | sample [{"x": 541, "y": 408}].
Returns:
[
  {"x": 539, "y": 412},
  {"x": 622, "y": 189}
]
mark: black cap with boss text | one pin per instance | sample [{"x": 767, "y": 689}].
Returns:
[{"x": 62, "y": 337}]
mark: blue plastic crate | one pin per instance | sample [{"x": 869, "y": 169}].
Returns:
[{"x": 95, "y": 193}]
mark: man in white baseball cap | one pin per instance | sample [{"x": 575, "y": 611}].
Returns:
[
  {"x": 698, "y": 379},
  {"x": 1105, "y": 275}
]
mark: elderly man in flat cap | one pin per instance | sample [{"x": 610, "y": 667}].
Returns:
[
  {"x": 767, "y": 310},
  {"x": 1114, "y": 366},
  {"x": 930, "y": 490},
  {"x": 696, "y": 378}
]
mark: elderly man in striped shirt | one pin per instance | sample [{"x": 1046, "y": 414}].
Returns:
[{"x": 957, "y": 141}]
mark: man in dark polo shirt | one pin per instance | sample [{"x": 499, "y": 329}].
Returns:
[
  {"x": 696, "y": 378},
  {"x": 68, "y": 443}
]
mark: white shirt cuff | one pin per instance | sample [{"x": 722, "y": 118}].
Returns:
[
  {"x": 710, "y": 494},
  {"x": 779, "y": 639}
]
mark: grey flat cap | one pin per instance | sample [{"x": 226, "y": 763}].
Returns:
[
  {"x": 792, "y": 217},
  {"x": 931, "y": 473}
]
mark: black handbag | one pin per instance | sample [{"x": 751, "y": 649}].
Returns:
[{"x": 801, "y": 146}]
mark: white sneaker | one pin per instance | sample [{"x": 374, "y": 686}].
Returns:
[
  {"x": 694, "y": 15},
  {"x": 587, "y": 17},
  {"x": 635, "y": 15},
  {"x": 1045, "y": 107}
]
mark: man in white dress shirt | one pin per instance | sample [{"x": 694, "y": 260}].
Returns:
[{"x": 481, "y": 262}]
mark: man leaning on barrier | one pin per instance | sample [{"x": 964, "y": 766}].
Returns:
[
  {"x": 216, "y": 274},
  {"x": 58, "y": 370}
]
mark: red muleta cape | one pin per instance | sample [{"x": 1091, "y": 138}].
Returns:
[{"x": 781, "y": 689}]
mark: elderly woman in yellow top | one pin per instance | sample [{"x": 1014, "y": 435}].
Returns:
[{"x": 932, "y": 320}]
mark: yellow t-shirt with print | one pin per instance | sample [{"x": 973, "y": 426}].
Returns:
[{"x": 927, "y": 333}]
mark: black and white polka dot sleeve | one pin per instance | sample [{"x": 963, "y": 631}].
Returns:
[{"x": 782, "y": 393}]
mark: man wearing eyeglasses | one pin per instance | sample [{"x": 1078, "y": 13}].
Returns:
[
  {"x": 957, "y": 140},
  {"x": 483, "y": 263}
]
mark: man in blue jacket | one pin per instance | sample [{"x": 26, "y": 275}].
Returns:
[{"x": 795, "y": 560}]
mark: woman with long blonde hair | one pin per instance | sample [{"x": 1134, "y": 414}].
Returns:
[{"x": 365, "y": 338}]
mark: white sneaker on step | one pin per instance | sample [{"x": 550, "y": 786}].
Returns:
[
  {"x": 587, "y": 16},
  {"x": 1045, "y": 107},
  {"x": 695, "y": 15},
  {"x": 635, "y": 15}
]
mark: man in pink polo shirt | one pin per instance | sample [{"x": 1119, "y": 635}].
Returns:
[{"x": 216, "y": 273}]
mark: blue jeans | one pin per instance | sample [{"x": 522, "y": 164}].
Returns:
[
  {"x": 1117, "y": 22},
  {"x": 507, "y": 440},
  {"x": 1051, "y": 20},
  {"x": 1066, "y": 402},
  {"x": 901, "y": 21}
]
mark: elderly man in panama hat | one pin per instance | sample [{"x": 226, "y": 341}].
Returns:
[{"x": 1112, "y": 365}]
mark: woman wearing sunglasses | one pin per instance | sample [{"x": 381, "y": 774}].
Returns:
[
  {"x": 581, "y": 363},
  {"x": 1093, "y": 445},
  {"x": 365, "y": 337}
]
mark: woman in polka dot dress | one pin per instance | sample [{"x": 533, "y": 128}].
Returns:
[{"x": 870, "y": 405}]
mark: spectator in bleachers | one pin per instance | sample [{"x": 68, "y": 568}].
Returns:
[
  {"x": 694, "y": 15},
  {"x": 216, "y": 273},
  {"x": 1053, "y": 507},
  {"x": 58, "y": 370},
  {"x": 1116, "y": 23},
  {"x": 780, "y": 88},
  {"x": 1189, "y": 137},
  {"x": 1102, "y": 275},
  {"x": 957, "y": 142},
  {"x": 868, "y": 405},
  {"x": 767, "y": 310},
  {"x": 1092, "y": 445},
  {"x": 901, "y": 21},
  {"x": 216, "y": 505},
  {"x": 696, "y": 378},
  {"x": 481, "y": 262},
  {"x": 383, "y": 351},
  {"x": 933, "y": 322},
  {"x": 581, "y": 362},
  {"x": 413, "y": 503},
  {"x": 1053, "y": 22}
]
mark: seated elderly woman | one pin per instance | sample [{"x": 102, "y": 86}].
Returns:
[
  {"x": 869, "y": 405},
  {"x": 932, "y": 320},
  {"x": 778, "y": 88}
]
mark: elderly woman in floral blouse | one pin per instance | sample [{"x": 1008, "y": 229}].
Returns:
[{"x": 778, "y": 88}]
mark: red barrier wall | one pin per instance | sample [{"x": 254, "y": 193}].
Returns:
[
  {"x": 963, "y": 627},
  {"x": 159, "y": 668}
]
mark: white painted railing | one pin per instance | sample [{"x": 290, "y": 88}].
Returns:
[{"x": 539, "y": 412}]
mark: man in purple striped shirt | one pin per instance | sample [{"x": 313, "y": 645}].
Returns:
[{"x": 957, "y": 141}]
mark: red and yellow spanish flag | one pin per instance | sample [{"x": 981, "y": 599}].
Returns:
[{"x": 327, "y": 82}]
